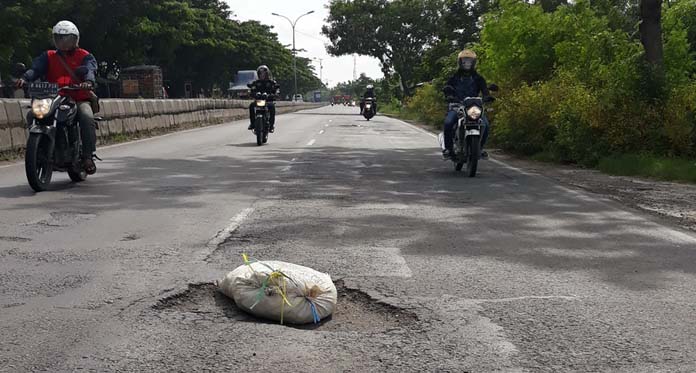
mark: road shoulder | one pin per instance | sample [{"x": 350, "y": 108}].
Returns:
[{"x": 674, "y": 203}]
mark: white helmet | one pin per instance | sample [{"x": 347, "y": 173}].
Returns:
[
  {"x": 66, "y": 36},
  {"x": 370, "y": 86}
]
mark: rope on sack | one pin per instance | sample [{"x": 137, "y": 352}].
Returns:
[
  {"x": 275, "y": 276},
  {"x": 315, "y": 314}
]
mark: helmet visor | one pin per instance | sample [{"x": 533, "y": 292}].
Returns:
[
  {"x": 467, "y": 64},
  {"x": 263, "y": 74},
  {"x": 65, "y": 42}
]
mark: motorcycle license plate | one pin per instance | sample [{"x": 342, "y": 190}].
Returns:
[
  {"x": 473, "y": 132},
  {"x": 43, "y": 90}
]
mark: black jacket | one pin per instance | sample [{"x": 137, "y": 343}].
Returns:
[
  {"x": 461, "y": 86},
  {"x": 269, "y": 86}
]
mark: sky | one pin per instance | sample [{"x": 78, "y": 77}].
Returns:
[{"x": 307, "y": 35}]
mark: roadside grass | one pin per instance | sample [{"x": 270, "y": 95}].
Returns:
[{"x": 661, "y": 168}]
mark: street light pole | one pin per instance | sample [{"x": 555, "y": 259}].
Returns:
[
  {"x": 294, "y": 51},
  {"x": 321, "y": 68}
]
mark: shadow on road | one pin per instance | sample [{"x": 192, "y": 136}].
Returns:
[{"x": 410, "y": 196}]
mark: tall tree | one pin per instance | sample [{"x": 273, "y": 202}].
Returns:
[
  {"x": 651, "y": 31},
  {"x": 396, "y": 32}
]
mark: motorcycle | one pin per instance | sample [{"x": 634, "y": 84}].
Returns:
[
  {"x": 54, "y": 142},
  {"x": 467, "y": 134},
  {"x": 469, "y": 130},
  {"x": 262, "y": 121},
  {"x": 369, "y": 108}
]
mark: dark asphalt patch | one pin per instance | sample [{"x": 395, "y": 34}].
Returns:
[
  {"x": 355, "y": 312},
  {"x": 130, "y": 237},
  {"x": 14, "y": 239}
]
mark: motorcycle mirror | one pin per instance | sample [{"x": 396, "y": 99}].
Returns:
[
  {"x": 19, "y": 69},
  {"x": 493, "y": 87},
  {"x": 81, "y": 71}
]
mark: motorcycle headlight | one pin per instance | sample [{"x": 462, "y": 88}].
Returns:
[
  {"x": 368, "y": 106},
  {"x": 261, "y": 103},
  {"x": 474, "y": 112},
  {"x": 41, "y": 108}
]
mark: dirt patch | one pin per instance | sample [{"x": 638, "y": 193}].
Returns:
[{"x": 356, "y": 311}]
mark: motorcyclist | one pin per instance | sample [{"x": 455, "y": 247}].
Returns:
[
  {"x": 50, "y": 65},
  {"x": 264, "y": 84},
  {"x": 466, "y": 82},
  {"x": 369, "y": 93}
]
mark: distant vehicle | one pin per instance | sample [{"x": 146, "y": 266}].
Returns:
[
  {"x": 369, "y": 110},
  {"x": 262, "y": 121},
  {"x": 298, "y": 98},
  {"x": 239, "y": 87}
]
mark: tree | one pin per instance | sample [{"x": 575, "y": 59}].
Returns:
[
  {"x": 397, "y": 32},
  {"x": 192, "y": 40},
  {"x": 651, "y": 31}
]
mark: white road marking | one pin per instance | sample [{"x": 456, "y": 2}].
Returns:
[
  {"x": 311, "y": 142},
  {"x": 321, "y": 132},
  {"x": 226, "y": 233},
  {"x": 326, "y": 125},
  {"x": 288, "y": 167}
]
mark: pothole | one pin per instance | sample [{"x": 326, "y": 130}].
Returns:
[
  {"x": 355, "y": 312},
  {"x": 130, "y": 237},
  {"x": 60, "y": 219}
]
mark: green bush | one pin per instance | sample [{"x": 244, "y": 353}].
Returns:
[{"x": 427, "y": 105}]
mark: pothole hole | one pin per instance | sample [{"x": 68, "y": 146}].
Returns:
[{"x": 355, "y": 311}]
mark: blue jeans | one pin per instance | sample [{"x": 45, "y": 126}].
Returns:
[{"x": 451, "y": 124}]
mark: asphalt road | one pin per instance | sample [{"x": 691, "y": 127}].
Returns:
[{"x": 503, "y": 272}]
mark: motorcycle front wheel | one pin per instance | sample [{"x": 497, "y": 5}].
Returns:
[
  {"x": 473, "y": 155},
  {"x": 259, "y": 131},
  {"x": 37, "y": 162}
]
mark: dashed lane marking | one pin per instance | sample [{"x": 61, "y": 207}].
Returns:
[{"x": 226, "y": 233}]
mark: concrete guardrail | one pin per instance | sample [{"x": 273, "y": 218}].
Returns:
[{"x": 124, "y": 116}]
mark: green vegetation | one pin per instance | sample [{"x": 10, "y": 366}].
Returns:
[
  {"x": 192, "y": 40},
  {"x": 579, "y": 80},
  {"x": 670, "y": 169}
]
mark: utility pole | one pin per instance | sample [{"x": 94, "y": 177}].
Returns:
[
  {"x": 321, "y": 69},
  {"x": 355, "y": 68},
  {"x": 294, "y": 50}
]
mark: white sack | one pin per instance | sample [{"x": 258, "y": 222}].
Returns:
[{"x": 303, "y": 288}]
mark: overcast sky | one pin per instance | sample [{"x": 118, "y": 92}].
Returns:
[{"x": 308, "y": 34}]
